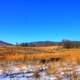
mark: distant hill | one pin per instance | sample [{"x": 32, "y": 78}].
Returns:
[
  {"x": 2, "y": 43},
  {"x": 40, "y": 43}
]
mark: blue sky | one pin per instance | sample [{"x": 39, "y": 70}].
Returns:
[{"x": 39, "y": 20}]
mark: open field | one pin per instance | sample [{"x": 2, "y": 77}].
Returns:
[
  {"x": 39, "y": 63},
  {"x": 17, "y": 53}
]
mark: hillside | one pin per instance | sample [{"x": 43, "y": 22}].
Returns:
[{"x": 2, "y": 43}]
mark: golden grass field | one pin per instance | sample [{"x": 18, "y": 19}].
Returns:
[
  {"x": 17, "y": 53},
  {"x": 58, "y": 60}
]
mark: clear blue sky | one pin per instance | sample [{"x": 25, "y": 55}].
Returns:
[{"x": 36, "y": 20}]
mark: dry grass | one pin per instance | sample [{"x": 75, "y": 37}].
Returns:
[
  {"x": 67, "y": 59},
  {"x": 14, "y": 53}
]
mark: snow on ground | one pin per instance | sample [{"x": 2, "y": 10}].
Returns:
[{"x": 27, "y": 73}]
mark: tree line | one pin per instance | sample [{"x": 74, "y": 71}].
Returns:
[
  {"x": 71, "y": 44},
  {"x": 65, "y": 43}
]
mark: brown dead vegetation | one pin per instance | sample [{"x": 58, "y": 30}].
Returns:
[{"x": 52, "y": 53}]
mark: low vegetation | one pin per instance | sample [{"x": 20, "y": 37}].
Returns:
[
  {"x": 24, "y": 54},
  {"x": 59, "y": 61}
]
